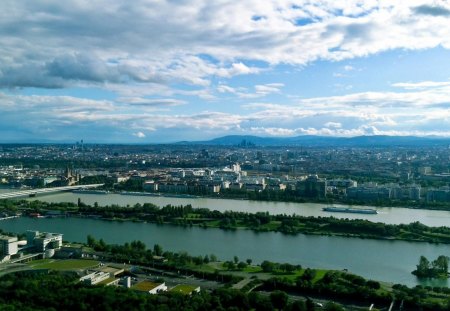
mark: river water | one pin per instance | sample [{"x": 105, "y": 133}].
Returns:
[
  {"x": 389, "y": 261},
  {"x": 388, "y": 215}
]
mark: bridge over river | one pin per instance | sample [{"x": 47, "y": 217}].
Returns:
[{"x": 34, "y": 192}]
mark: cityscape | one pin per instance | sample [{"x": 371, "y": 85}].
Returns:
[
  {"x": 199, "y": 155},
  {"x": 362, "y": 174}
]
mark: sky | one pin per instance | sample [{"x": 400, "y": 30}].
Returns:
[{"x": 154, "y": 71}]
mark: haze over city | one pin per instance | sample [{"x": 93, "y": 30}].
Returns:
[{"x": 165, "y": 71}]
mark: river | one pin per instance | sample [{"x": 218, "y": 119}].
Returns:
[{"x": 388, "y": 215}]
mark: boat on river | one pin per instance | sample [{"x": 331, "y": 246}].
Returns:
[{"x": 350, "y": 210}]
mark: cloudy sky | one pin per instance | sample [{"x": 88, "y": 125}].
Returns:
[{"x": 162, "y": 71}]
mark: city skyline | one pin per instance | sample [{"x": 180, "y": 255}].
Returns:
[{"x": 166, "y": 71}]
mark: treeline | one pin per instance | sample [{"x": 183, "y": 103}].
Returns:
[{"x": 24, "y": 291}]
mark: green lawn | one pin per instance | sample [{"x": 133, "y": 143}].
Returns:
[
  {"x": 252, "y": 269},
  {"x": 69, "y": 264},
  {"x": 294, "y": 275},
  {"x": 183, "y": 289}
]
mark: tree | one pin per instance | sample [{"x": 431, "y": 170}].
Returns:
[
  {"x": 308, "y": 275},
  {"x": 423, "y": 267},
  {"x": 441, "y": 264},
  {"x": 90, "y": 241},
  {"x": 267, "y": 266},
  {"x": 279, "y": 299},
  {"x": 249, "y": 261},
  {"x": 157, "y": 249},
  {"x": 331, "y": 306}
]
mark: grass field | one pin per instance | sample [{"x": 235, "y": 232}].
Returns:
[
  {"x": 183, "y": 289},
  {"x": 68, "y": 264}
]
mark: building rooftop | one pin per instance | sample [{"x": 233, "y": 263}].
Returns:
[
  {"x": 107, "y": 281},
  {"x": 8, "y": 238},
  {"x": 184, "y": 289},
  {"x": 110, "y": 270},
  {"x": 145, "y": 286}
]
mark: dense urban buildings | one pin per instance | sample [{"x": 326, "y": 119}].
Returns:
[{"x": 363, "y": 174}]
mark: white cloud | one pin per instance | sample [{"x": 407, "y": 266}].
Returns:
[
  {"x": 260, "y": 90},
  {"x": 421, "y": 85},
  {"x": 348, "y": 68},
  {"x": 139, "y": 135},
  {"x": 151, "y": 102},
  {"x": 333, "y": 124}
]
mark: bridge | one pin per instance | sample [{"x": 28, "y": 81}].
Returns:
[{"x": 34, "y": 192}]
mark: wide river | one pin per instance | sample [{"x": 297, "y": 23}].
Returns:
[
  {"x": 390, "y": 261},
  {"x": 388, "y": 215}
]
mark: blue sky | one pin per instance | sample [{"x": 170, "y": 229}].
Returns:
[{"x": 163, "y": 71}]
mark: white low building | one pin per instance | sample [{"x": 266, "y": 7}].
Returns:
[
  {"x": 95, "y": 277},
  {"x": 150, "y": 287}
]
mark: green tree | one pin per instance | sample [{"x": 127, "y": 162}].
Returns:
[
  {"x": 308, "y": 275},
  {"x": 91, "y": 241},
  {"x": 331, "y": 306},
  {"x": 423, "y": 267},
  {"x": 267, "y": 266},
  {"x": 441, "y": 264},
  {"x": 279, "y": 299},
  {"x": 157, "y": 249}
]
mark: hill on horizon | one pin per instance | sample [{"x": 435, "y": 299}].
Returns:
[{"x": 319, "y": 141}]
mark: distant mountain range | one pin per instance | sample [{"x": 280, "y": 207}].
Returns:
[{"x": 322, "y": 141}]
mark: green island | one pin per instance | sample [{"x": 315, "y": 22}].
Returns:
[
  {"x": 230, "y": 220},
  {"x": 438, "y": 268}
]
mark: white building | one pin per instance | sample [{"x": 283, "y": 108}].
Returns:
[
  {"x": 8, "y": 246},
  {"x": 95, "y": 277},
  {"x": 150, "y": 287},
  {"x": 43, "y": 241}
]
